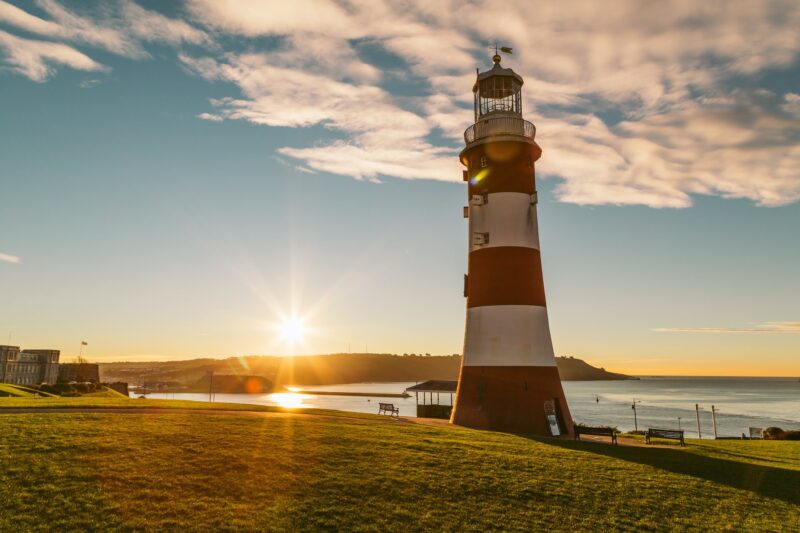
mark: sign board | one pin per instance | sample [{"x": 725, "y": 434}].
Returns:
[
  {"x": 553, "y": 422},
  {"x": 552, "y": 418}
]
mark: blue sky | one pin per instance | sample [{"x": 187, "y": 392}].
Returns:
[{"x": 175, "y": 182}]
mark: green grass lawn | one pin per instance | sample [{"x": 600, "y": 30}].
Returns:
[{"x": 283, "y": 471}]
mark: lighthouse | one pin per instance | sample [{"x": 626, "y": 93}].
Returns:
[{"x": 508, "y": 380}]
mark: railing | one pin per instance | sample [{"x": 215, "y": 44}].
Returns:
[{"x": 487, "y": 127}]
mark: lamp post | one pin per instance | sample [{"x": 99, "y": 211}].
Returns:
[
  {"x": 714, "y": 420},
  {"x": 679, "y": 423},
  {"x": 635, "y": 420},
  {"x": 697, "y": 414}
]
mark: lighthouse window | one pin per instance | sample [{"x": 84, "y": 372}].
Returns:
[{"x": 483, "y": 161}]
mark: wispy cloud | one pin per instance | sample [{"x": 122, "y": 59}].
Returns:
[
  {"x": 210, "y": 116},
  {"x": 120, "y": 28},
  {"x": 35, "y": 59},
  {"x": 88, "y": 84},
  {"x": 8, "y": 258},
  {"x": 767, "y": 327},
  {"x": 384, "y": 138}
]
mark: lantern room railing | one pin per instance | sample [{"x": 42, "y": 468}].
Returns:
[{"x": 489, "y": 126}]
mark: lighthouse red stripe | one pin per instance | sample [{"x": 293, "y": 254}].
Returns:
[
  {"x": 509, "y": 167},
  {"x": 505, "y": 275}
]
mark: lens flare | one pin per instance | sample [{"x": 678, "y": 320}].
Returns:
[{"x": 479, "y": 176}]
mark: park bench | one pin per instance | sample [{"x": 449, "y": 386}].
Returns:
[
  {"x": 586, "y": 430},
  {"x": 675, "y": 434},
  {"x": 388, "y": 409}
]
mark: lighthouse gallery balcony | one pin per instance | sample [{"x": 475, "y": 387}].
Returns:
[{"x": 499, "y": 126}]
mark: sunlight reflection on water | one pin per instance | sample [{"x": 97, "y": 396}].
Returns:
[{"x": 287, "y": 399}]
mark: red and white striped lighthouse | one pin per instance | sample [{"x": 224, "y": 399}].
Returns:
[{"x": 509, "y": 380}]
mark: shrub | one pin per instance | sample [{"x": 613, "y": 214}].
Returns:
[
  {"x": 773, "y": 433},
  {"x": 615, "y": 428},
  {"x": 792, "y": 435}
]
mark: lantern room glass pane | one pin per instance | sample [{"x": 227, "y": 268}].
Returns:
[{"x": 499, "y": 94}]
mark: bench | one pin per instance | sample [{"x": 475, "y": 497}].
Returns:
[
  {"x": 586, "y": 430},
  {"x": 675, "y": 434},
  {"x": 388, "y": 409}
]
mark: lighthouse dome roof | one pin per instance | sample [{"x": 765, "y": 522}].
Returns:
[{"x": 499, "y": 71}]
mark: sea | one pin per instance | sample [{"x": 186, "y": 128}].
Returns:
[{"x": 661, "y": 402}]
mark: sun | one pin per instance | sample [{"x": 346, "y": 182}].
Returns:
[{"x": 292, "y": 330}]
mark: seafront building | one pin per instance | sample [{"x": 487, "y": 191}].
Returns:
[
  {"x": 28, "y": 367},
  {"x": 80, "y": 372},
  {"x": 35, "y": 367}
]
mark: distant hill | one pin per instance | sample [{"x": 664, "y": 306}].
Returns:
[
  {"x": 231, "y": 384},
  {"x": 572, "y": 369},
  {"x": 321, "y": 369}
]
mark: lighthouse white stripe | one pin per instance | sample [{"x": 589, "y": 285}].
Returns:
[
  {"x": 508, "y": 335},
  {"x": 508, "y": 218}
]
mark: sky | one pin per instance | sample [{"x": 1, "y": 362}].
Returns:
[{"x": 179, "y": 179}]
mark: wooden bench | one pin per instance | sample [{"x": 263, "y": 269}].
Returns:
[
  {"x": 388, "y": 409},
  {"x": 674, "y": 434},
  {"x": 586, "y": 430}
]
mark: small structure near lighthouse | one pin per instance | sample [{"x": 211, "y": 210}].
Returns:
[{"x": 508, "y": 380}]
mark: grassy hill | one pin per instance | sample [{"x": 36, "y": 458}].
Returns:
[{"x": 193, "y": 470}]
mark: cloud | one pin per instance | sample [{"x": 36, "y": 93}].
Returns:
[
  {"x": 35, "y": 59},
  {"x": 633, "y": 106},
  {"x": 383, "y": 137},
  {"x": 11, "y": 14},
  {"x": 767, "y": 327},
  {"x": 9, "y": 258},
  {"x": 210, "y": 117},
  {"x": 119, "y": 28},
  {"x": 65, "y": 24},
  {"x": 155, "y": 27},
  {"x": 256, "y": 18},
  {"x": 792, "y": 104},
  {"x": 666, "y": 71},
  {"x": 88, "y": 84},
  {"x": 746, "y": 146}
]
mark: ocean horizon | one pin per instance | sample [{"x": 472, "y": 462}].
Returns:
[{"x": 661, "y": 401}]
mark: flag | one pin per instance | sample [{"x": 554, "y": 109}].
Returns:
[
  {"x": 84, "y": 343},
  {"x": 505, "y": 49}
]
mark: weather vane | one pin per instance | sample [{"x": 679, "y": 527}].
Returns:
[{"x": 498, "y": 49}]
